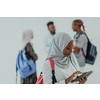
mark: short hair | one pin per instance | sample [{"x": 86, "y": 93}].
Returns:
[{"x": 50, "y": 23}]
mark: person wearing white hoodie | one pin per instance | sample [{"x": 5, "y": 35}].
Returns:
[{"x": 66, "y": 65}]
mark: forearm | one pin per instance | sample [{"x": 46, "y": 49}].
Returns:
[
  {"x": 76, "y": 50},
  {"x": 67, "y": 80}
]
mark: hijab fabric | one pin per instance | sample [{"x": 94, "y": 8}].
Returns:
[
  {"x": 59, "y": 42},
  {"x": 26, "y": 38}
]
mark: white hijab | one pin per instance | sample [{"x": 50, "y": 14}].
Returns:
[
  {"x": 26, "y": 38},
  {"x": 59, "y": 42}
]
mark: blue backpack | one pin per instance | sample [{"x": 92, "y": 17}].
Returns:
[
  {"x": 91, "y": 52},
  {"x": 26, "y": 67}
]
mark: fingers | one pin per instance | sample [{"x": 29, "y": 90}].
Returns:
[
  {"x": 83, "y": 80},
  {"x": 76, "y": 73},
  {"x": 86, "y": 78},
  {"x": 80, "y": 80}
]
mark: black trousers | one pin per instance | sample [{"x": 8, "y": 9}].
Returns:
[{"x": 30, "y": 79}]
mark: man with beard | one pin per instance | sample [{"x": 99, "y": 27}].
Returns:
[{"x": 48, "y": 37}]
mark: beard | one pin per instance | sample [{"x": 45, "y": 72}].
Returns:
[{"x": 53, "y": 33}]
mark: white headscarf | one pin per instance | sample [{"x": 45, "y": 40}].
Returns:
[
  {"x": 27, "y": 36},
  {"x": 59, "y": 42}
]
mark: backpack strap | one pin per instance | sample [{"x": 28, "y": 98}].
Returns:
[
  {"x": 24, "y": 47},
  {"x": 53, "y": 70},
  {"x": 87, "y": 39},
  {"x": 75, "y": 35},
  {"x": 83, "y": 53},
  {"x": 85, "y": 35},
  {"x": 81, "y": 34}
]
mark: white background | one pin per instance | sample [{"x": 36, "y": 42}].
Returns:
[
  {"x": 11, "y": 33},
  {"x": 47, "y": 8}
]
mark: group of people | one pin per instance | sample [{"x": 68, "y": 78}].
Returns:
[
  {"x": 80, "y": 42},
  {"x": 65, "y": 51}
]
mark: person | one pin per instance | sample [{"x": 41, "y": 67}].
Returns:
[
  {"x": 66, "y": 66},
  {"x": 30, "y": 54},
  {"x": 81, "y": 43},
  {"x": 48, "y": 37}
]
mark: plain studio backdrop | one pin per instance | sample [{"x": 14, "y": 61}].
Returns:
[{"x": 11, "y": 29}]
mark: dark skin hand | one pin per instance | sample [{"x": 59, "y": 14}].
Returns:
[
  {"x": 31, "y": 59},
  {"x": 76, "y": 50},
  {"x": 71, "y": 77},
  {"x": 83, "y": 80}
]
